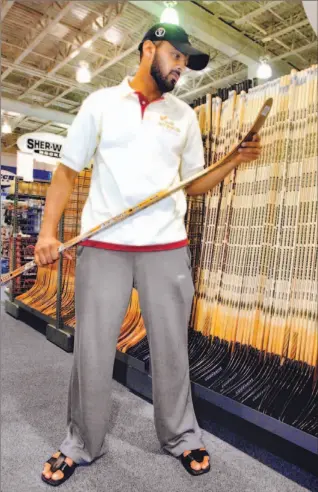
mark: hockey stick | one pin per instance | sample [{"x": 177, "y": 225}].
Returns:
[{"x": 258, "y": 123}]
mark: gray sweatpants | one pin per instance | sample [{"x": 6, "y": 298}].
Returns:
[{"x": 104, "y": 281}]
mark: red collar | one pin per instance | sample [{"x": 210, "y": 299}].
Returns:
[{"x": 144, "y": 98}]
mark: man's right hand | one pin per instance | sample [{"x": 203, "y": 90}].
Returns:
[{"x": 46, "y": 251}]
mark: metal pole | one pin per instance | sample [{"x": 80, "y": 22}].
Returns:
[
  {"x": 59, "y": 320},
  {"x": 14, "y": 235}
]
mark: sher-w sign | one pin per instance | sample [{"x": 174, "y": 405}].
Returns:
[{"x": 46, "y": 144}]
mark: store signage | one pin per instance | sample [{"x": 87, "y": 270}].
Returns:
[
  {"x": 46, "y": 144},
  {"x": 6, "y": 178}
]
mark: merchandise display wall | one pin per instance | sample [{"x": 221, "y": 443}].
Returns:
[{"x": 253, "y": 239}]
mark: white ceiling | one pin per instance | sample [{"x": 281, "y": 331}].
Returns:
[{"x": 43, "y": 42}]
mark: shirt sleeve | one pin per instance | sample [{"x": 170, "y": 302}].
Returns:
[
  {"x": 192, "y": 158},
  {"x": 82, "y": 138}
]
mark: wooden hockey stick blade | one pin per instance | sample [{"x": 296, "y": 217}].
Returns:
[{"x": 257, "y": 125}]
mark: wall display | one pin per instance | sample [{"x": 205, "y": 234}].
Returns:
[{"x": 253, "y": 335}]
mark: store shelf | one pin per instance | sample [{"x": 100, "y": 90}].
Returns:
[
  {"x": 285, "y": 431},
  {"x": 140, "y": 381},
  {"x": 131, "y": 361},
  {"x": 38, "y": 314},
  {"x": 25, "y": 196}
]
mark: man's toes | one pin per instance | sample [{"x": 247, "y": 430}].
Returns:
[
  {"x": 47, "y": 467},
  {"x": 47, "y": 471},
  {"x": 205, "y": 462},
  {"x": 195, "y": 465},
  {"x": 198, "y": 466},
  {"x": 58, "y": 475},
  {"x": 69, "y": 461}
]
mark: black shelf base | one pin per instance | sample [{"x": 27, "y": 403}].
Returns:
[
  {"x": 62, "y": 337},
  {"x": 12, "y": 309}
]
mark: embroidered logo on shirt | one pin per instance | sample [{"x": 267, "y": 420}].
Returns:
[{"x": 168, "y": 124}]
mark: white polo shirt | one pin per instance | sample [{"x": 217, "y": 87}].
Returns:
[{"x": 138, "y": 149}]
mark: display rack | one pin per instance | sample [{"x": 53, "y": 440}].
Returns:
[
  {"x": 49, "y": 305},
  {"x": 22, "y": 219}
]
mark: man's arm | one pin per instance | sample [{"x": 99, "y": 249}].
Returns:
[
  {"x": 77, "y": 151},
  {"x": 59, "y": 191},
  {"x": 250, "y": 151}
]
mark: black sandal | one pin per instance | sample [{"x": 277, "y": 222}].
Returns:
[
  {"x": 59, "y": 464},
  {"x": 195, "y": 455}
]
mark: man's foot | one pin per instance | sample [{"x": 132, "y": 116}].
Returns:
[
  {"x": 58, "y": 469},
  {"x": 196, "y": 461}
]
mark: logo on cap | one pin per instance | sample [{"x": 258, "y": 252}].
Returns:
[{"x": 160, "y": 32}]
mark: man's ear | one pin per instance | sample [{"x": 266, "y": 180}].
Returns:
[{"x": 148, "y": 50}]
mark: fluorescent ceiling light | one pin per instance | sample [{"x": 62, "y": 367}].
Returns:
[
  {"x": 6, "y": 128},
  {"x": 88, "y": 43},
  {"x": 170, "y": 15},
  {"x": 113, "y": 35},
  {"x": 75, "y": 53},
  {"x": 264, "y": 70},
  {"x": 83, "y": 74}
]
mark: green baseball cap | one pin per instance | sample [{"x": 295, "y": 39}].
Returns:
[{"x": 177, "y": 36}]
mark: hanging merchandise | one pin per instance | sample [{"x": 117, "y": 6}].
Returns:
[{"x": 253, "y": 335}]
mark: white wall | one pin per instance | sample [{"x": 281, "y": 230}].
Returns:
[
  {"x": 8, "y": 159},
  {"x": 11, "y": 160}
]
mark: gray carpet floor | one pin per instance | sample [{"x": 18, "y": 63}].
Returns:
[{"x": 35, "y": 376}]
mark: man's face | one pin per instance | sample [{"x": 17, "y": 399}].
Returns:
[{"x": 167, "y": 66}]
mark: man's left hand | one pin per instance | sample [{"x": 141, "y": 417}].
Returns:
[{"x": 249, "y": 151}]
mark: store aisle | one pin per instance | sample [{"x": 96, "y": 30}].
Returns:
[{"x": 35, "y": 377}]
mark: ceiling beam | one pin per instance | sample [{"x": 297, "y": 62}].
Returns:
[
  {"x": 225, "y": 6},
  {"x": 258, "y": 12},
  {"x": 260, "y": 29},
  {"x": 5, "y": 8},
  {"x": 240, "y": 74},
  {"x": 45, "y": 24},
  {"x": 104, "y": 67},
  {"x": 308, "y": 46},
  {"x": 113, "y": 61},
  {"x": 74, "y": 53},
  {"x": 58, "y": 79},
  {"x": 36, "y": 111},
  {"x": 286, "y": 30},
  {"x": 218, "y": 83},
  {"x": 214, "y": 32}
]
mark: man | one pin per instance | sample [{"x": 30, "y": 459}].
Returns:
[{"x": 142, "y": 139}]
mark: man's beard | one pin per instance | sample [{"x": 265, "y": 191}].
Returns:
[{"x": 164, "y": 85}]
